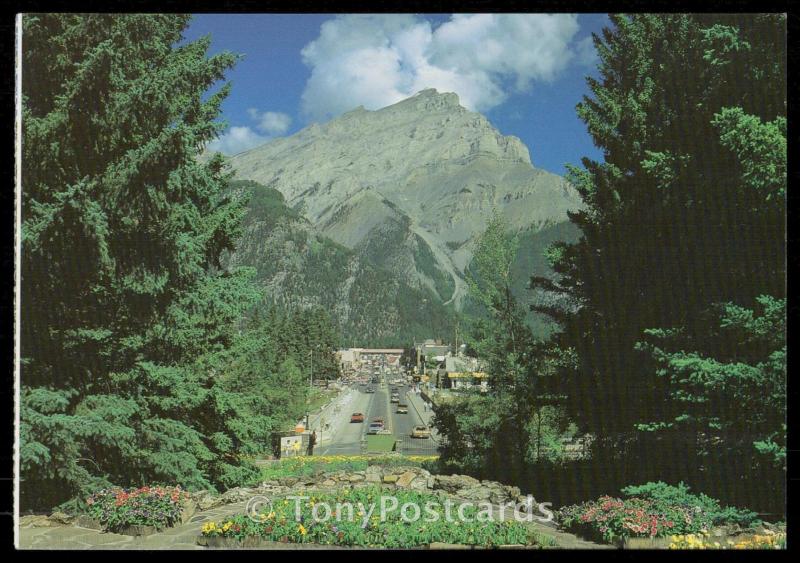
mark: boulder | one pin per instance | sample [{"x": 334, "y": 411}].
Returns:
[
  {"x": 205, "y": 500},
  {"x": 35, "y": 521},
  {"x": 390, "y": 478},
  {"x": 479, "y": 493},
  {"x": 188, "y": 509},
  {"x": 328, "y": 483},
  {"x": 405, "y": 479},
  {"x": 354, "y": 478},
  {"x": 373, "y": 474},
  {"x": 453, "y": 483},
  {"x": 419, "y": 484},
  {"x": 61, "y": 519}
]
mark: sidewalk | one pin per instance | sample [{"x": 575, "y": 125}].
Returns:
[
  {"x": 185, "y": 536},
  {"x": 328, "y": 414}
]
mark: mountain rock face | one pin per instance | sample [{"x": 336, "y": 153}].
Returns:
[
  {"x": 408, "y": 188},
  {"x": 300, "y": 268}
]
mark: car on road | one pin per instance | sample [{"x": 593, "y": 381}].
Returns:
[
  {"x": 421, "y": 432},
  {"x": 379, "y": 420},
  {"x": 395, "y": 398},
  {"x": 402, "y": 408},
  {"x": 375, "y": 427},
  {"x": 370, "y": 390},
  {"x": 357, "y": 417}
]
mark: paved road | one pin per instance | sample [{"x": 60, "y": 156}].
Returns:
[{"x": 345, "y": 437}]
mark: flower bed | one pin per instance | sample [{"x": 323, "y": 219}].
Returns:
[
  {"x": 768, "y": 540},
  {"x": 136, "y": 511},
  {"x": 280, "y": 524},
  {"x": 660, "y": 511}
]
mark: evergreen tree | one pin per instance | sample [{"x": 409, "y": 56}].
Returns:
[
  {"x": 686, "y": 212},
  {"x": 123, "y": 228}
]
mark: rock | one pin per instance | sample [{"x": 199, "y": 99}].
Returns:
[
  {"x": 354, "y": 173},
  {"x": 188, "y": 509},
  {"x": 59, "y": 518},
  {"x": 355, "y": 478},
  {"x": 288, "y": 481},
  {"x": 405, "y": 479},
  {"x": 206, "y": 501},
  {"x": 84, "y": 521},
  {"x": 419, "y": 484},
  {"x": 237, "y": 494},
  {"x": 475, "y": 493},
  {"x": 390, "y": 478},
  {"x": 35, "y": 521},
  {"x": 329, "y": 483},
  {"x": 452, "y": 483}
]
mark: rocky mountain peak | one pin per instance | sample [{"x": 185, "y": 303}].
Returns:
[{"x": 423, "y": 174}]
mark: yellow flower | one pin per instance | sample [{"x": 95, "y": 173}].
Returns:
[{"x": 302, "y": 530}]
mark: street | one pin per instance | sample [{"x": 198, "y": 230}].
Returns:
[{"x": 345, "y": 437}]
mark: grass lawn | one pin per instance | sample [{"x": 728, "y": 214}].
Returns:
[
  {"x": 381, "y": 444},
  {"x": 304, "y": 466}
]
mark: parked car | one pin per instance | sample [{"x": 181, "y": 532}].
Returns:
[
  {"x": 402, "y": 408},
  {"x": 357, "y": 417},
  {"x": 421, "y": 432}
]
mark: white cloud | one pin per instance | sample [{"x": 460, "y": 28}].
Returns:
[
  {"x": 586, "y": 53},
  {"x": 236, "y": 140},
  {"x": 377, "y": 60},
  {"x": 241, "y": 138},
  {"x": 270, "y": 122}
]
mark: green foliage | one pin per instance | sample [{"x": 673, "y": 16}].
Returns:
[
  {"x": 122, "y": 231},
  {"x": 741, "y": 361},
  {"x": 116, "y": 509},
  {"x": 281, "y": 523},
  {"x": 669, "y": 495},
  {"x": 133, "y": 346},
  {"x": 519, "y": 421},
  {"x": 654, "y": 509},
  {"x": 686, "y": 212}
]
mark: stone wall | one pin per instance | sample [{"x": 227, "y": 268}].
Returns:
[{"x": 460, "y": 487}]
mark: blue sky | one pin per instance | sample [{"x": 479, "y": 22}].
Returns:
[{"x": 525, "y": 72}]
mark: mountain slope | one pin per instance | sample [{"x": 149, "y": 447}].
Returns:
[
  {"x": 299, "y": 268},
  {"x": 409, "y": 187}
]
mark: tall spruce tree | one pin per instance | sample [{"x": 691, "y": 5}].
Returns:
[
  {"x": 122, "y": 231},
  {"x": 686, "y": 213}
]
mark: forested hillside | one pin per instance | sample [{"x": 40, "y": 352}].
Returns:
[{"x": 298, "y": 268}]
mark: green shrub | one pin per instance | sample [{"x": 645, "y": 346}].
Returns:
[
  {"x": 669, "y": 495},
  {"x": 651, "y": 510}
]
